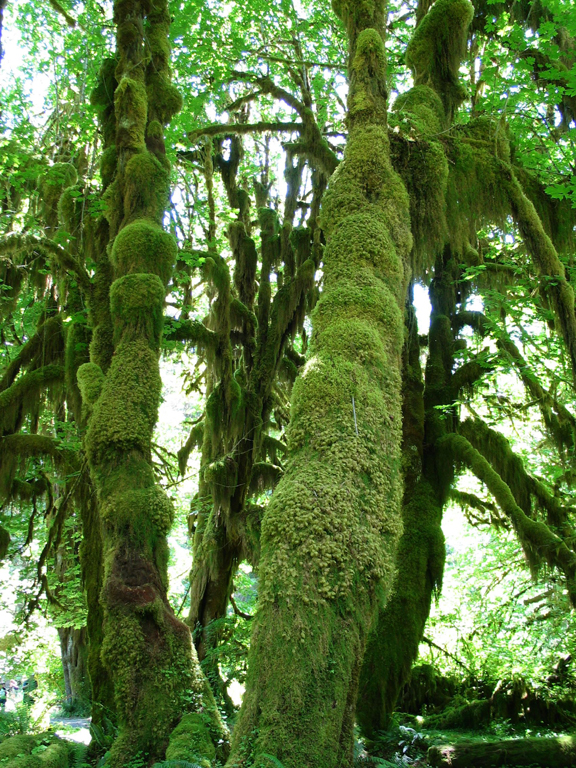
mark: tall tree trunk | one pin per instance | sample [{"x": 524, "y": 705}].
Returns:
[
  {"x": 330, "y": 532},
  {"x": 146, "y": 649},
  {"x": 395, "y": 639},
  {"x": 74, "y": 652},
  {"x": 434, "y": 54}
]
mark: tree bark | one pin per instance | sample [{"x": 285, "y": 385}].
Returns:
[
  {"x": 74, "y": 652},
  {"x": 330, "y": 532}
]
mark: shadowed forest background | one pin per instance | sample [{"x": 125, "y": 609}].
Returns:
[{"x": 287, "y": 384}]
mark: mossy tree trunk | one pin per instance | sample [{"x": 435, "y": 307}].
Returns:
[
  {"x": 146, "y": 649},
  {"x": 434, "y": 54},
  {"x": 74, "y": 652},
  {"x": 330, "y": 532}
]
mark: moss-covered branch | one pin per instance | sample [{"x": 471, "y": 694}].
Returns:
[
  {"x": 194, "y": 332},
  {"x": 534, "y": 535},
  {"x": 46, "y": 344},
  {"x": 553, "y": 283},
  {"x": 24, "y": 394},
  {"x": 29, "y": 243},
  {"x": 240, "y": 129}
]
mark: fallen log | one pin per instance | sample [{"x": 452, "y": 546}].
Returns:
[{"x": 557, "y": 752}]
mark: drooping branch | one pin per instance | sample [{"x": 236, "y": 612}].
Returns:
[
  {"x": 240, "y": 129},
  {"x": 70, "y": 20},
  {"x": 534, "y": 536},
  {"x": 496, "y": 449},
  {"x": 48, "y": 341},
  {"x": 557, "y": 418},
  {"x": 25, "y": 388},
  {"x": 554, "y": 285},
  {"x": 29, "y": 243}
]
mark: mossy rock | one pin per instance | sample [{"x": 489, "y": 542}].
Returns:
[
  {"x": 49, "y": 752},
  {"x": 191, "y": 741}
]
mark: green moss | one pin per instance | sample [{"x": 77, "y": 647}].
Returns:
[
  {"x": 108, "y": 165},
  {"x": 90, "y": 380},
  {"x": 43, "y": 751},
  {"x": 146, "y": 186},
  {"x": 437, "y": 48},
  {"x": 154, "y": 130},
  {"x": 143, "y": 246},
  {"x": 165, "y": 97},
  {"x": 137, "y": 306},
  {"x": 534, "y": 535},
  {"x": 57, "y": 178},
  {"x": 71, "y": 208},
  {"x": 191, "y": 741},
  {"x": 131, "y": 104},
  {"x": 368, "y": 72},
  {"x": 424, "y": 108},
  {"x": 102, "y": 96},
  {"x": 124, "y": 415},
  {"x": 424, "y": 168},
  {"x": 143, "y": 514},
  {"x": 395, "y": 639},
  {"x": 112, "y": 201},
  {"x": 476, "y": 192}
]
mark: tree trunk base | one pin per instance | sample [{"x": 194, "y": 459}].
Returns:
[{"x": 557, "y": 752}]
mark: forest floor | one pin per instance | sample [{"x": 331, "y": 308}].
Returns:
[
  {"x": 71, "y": 728},
  {"x": 409, "y": 745}
]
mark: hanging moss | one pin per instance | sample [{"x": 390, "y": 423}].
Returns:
[
  {"x": 165, "y": 96},
  {"x": 137, "y": 242},
  {"x": 17, "y": 399},
  {"x": 71, "y": 208},
  {"x": 558, "y": 217},
  {"x": 57, "y": 178},
  {"x": 534, "y": 536},
  {"x": 554, "y": 286},
  {"x": 423, "y": 167},
  {"x": 476, "y": 192},
  {"x": 437, "y": 48}
]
